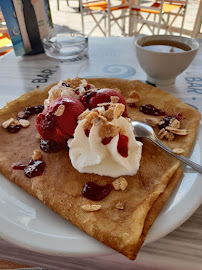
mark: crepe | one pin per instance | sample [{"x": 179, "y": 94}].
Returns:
[{"x": 60, "y": 186}]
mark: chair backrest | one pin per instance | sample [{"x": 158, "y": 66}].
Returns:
[
  {"x": 160, "y": 7},
  {"x": 106, "y": 10},
  {"x": 141, "y": 4},
  {"x": 197, "y": 29}
]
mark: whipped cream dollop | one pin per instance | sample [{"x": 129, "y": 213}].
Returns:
[{"x": 89, "y": 155}]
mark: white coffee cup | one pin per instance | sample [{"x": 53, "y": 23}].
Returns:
[{"x": 162, "y": 68}]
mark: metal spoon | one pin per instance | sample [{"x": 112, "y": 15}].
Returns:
[{"x": 141, "y": 129}]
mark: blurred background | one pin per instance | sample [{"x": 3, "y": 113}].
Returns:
[
  {"x": 68, "y": 17},
  {"x": 111, "y": 18}
]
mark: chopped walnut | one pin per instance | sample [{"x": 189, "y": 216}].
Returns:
[
  {"x": 174, "y": 123},
  {"x": 178, "y": 151},
  {"x": 101, "y": 118},
  {"x": 24, "y": 123},
  {"x": 36, "y": 155},
  {"x": 73, "y": 83},
  {"x": 60, "y": 110},
  {"x": 68, "y": 80},
  {"x": 169, "y": 136},
  {"x": 134, "y": 95},
  {"x": 177, "y": 131},
  {"x": 103, "y": 104},
  {"x": 84, "y": 114},
  {"x": 91, "y": 207},
  {"x": 8, "y": 122},
  {"x": 108, "y": 130},
  {"x": 114, "y": 111},
  {"x": 120, "y": 205},
  {"x": 67, "y": 91},
  {"x": 90, "y": 118},
  {"x": 38, "y": 136},
  {"x": 114, "y": 99},
  {"x": 84, "y": 82},
  {"x": 120, "y": 183},
  {"x": 54, "y": 93},
  {"x": 109, "y": 114},
  {"x": 99, "y": 110},
  {"x": 152, "y": 122}
]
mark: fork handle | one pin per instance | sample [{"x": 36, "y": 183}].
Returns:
[{"x": 181, "y": 158}]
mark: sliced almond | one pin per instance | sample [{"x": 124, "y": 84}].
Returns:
[
  {"x": 174, "y": 123},
  {"x": 17, "y": 122},
  {"x": 162, "y": 133},
  {"x": 178, "y": 151},
  {"x": 21, "y": 114},
  {"x": 119, "y": 108},
  {"x": 8, "y": 122},
  {"x": 60, "y": 110},
  {"x": 91, "y": 207},
  {"x": 152, "y": 122},
  {"x": 120, "y": 183},
  {"x": 24, "y": 123},
  {"x": 177, "y": 131}
]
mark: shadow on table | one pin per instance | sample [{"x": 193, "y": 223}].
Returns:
[{"x": 63, "y": 29}]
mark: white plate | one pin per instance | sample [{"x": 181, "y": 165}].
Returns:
[{"x": 27, "y": 222}]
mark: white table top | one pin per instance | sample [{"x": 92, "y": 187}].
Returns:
[{"x": 108, "y": 57}]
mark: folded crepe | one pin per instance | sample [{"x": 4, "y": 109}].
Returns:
[{"x": 60, "y": 186}]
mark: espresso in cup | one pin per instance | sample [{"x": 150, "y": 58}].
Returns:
[
  {"x": 165, "y": 46},
  {"x": 164, "y": 57}
]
